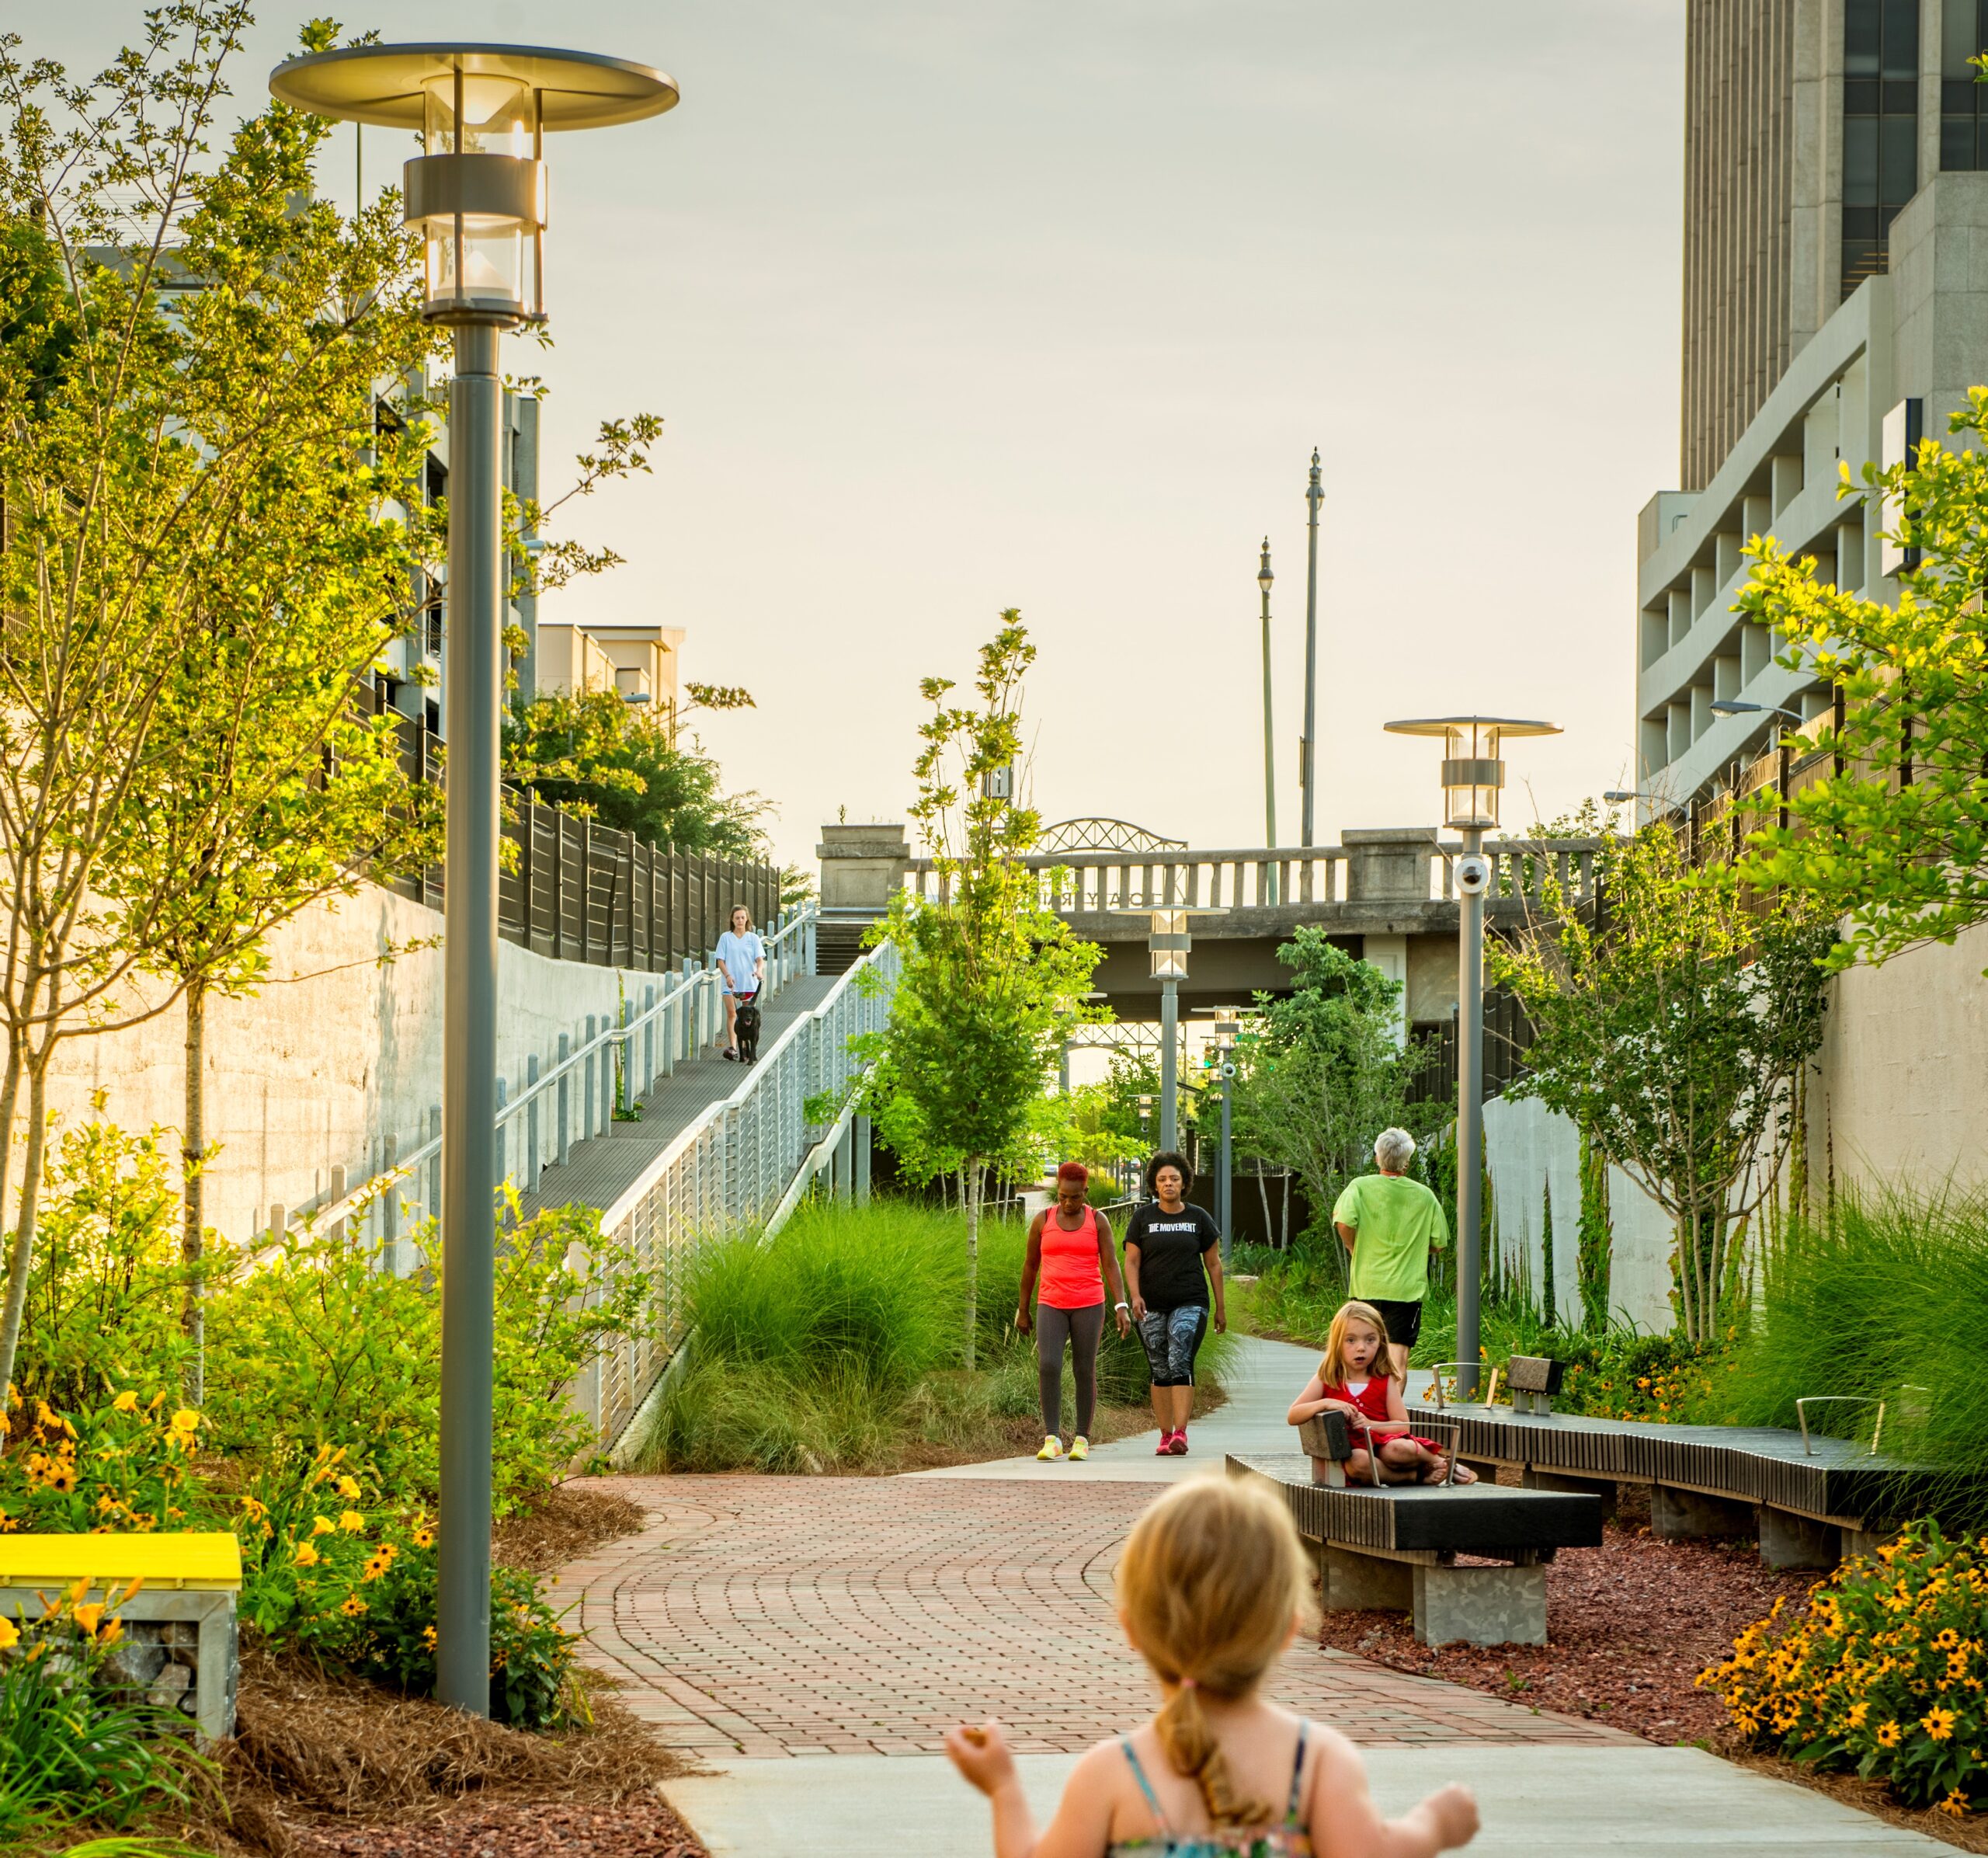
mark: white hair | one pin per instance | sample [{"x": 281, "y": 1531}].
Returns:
[{"x": 1393, "y": 1149}]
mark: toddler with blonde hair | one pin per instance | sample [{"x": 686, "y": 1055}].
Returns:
[{"x": 1213, "y": 1585}]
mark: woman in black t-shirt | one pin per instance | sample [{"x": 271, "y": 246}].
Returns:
[{"x": 1172, "y": 1258}]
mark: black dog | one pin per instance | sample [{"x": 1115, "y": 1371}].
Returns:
[{"x": 745, "y": 1029}]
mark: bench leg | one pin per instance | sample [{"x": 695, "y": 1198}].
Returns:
[
  {"x": 1677, "y": 1515},
  {"x": 1787, "y": 1541},
  {"x": 1480, "y": 1605},
  {"x": 1603, "y": 1487},
  {"x": 1350, "y": 1582}
]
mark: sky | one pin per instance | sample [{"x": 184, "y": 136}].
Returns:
[{"x": 949, "y": 308}]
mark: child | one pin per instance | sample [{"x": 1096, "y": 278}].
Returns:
[
  {"x": 1347, "y": 1382},
  {"x": 1212, "y": 1586}
]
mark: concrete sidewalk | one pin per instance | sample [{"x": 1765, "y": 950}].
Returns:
[{"x": 1628, "y": 1802}]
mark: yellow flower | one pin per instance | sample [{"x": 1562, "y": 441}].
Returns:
[
  {"x": 10, "y": 1633},
  {"x": 1938, "y": 1724},
  {"x": 1858, "y": 1710},
  {"x": 428, "y": 1637},
  {"x": 352, "y": 1522},
  {"x": 1947, "y": 1640},
  {"x": 88, "y": 1618},
  {"x": 307, "y": 1556},
  {"x": 348, "y": 1487},
  {"x": 1889, "y": 1735},
  {"x": 353, "y": 1607},
  {"x": 185, "y": 1420},
  {"x": 322, "y": 1525},
  {"x": 424, "y": 1537},
  {"x": 1956, "y": 1803},
  {"x": 126, "y": 1402}
]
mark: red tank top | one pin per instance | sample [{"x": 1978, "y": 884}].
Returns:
[
  {"x": 1372, "y": 1400},
  {"x": 1071, "y": 1278}
]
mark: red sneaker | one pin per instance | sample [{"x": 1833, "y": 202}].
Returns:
[
  {"x": 1165, "y": 1449},
  {"x": 1177, "y": 1445}
]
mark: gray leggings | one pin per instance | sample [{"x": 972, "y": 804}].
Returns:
[{"x": 1082, "y": 1329}]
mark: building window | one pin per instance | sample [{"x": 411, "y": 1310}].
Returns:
[
  {"x": 1960, "y": 96},
  {"x": 1880, "y": 126}
]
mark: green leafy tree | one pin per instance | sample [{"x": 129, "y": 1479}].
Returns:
[
  {"x": 189, "y": 450},
  {"x": 593, "y": 753},
  {"x": 991, "y": 980},
  {"x": 1895, "y": 839},
  {"x": 1672, "y": 1028},
  {"x": 1322, "y": 1075}
]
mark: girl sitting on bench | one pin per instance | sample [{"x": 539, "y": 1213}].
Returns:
[{"x": 1353, "y": 1378}]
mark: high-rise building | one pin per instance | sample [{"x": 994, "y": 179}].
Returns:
[{"x": 1836, "y": 307}]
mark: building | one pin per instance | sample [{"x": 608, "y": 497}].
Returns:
[
  {"x": 1836, "y": 308},
  {"x": 639, "y": 661}
]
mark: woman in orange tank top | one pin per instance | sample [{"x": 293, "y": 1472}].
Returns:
[{"x": 1069, "y": 1249}]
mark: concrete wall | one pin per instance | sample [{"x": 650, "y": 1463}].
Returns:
[
  {"x": 1900, "y": 1093},
  {"x": 339, "y": 1051}
]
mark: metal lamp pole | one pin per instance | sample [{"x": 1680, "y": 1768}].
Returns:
[
  {"x": 1264, "y": 578},
  {"x": 1307, "y": 752},
  {"x": 478, "y": 199},
  {"x": 1473, "y": 774},
  {"x": 1225, "y": 1186}
]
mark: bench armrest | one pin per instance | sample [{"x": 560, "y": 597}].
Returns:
[{"x": 1328, "y": 1436}]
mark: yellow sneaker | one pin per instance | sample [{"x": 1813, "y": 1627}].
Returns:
[
  {"x": 1052, "y": 1449},
  {"x": 1080, "y": 1447}
]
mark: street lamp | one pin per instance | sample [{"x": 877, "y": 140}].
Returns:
[
  {"x": 478, "y": 194},
  {"x": 1307, "y": 763},
  {"x": 1473, "y": 775},
  {"x": 1227, "y": 1023},
  {"x": 1167, "y": 942},
  {"x": 1732, "y": 706},
  {"x": 1264, "y": 578}
]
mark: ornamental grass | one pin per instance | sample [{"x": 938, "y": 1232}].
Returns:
[{"x": 1882, "y": 1675}]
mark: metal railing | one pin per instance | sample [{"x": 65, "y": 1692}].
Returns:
[
  {"x": 1079, "y": 883},
  {"x": 575, "y": 1097},
  {"x": 741, "y": 1165}
]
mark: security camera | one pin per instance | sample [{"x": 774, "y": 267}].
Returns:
[
  {"x": 1473, "y": 874},
  {"x": 1229, "y": 1070}
]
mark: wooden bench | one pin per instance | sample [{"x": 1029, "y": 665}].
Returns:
[
  {"x": 1397, "y": 1546},
  {"x": 1810, "y": 1501},
  {"x": 179, "y": 1647}
]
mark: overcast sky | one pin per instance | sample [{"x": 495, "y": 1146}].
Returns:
[{"x": 950, "y": 307}]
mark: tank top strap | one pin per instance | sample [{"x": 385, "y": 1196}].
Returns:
[
  {"x": 1298, "y": 1775},
  {"x": 1145, "y": 1788}
]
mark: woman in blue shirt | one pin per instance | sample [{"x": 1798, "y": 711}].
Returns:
[{"x": 741, "y": 961}]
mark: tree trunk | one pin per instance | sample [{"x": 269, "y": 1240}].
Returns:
[
  {"x": 193, "y": 1165},
  {"x": 1263, "y": 1194},
  {"x": 1284, "y": 1231},
  {"x": 970, "y": 1190},
  {"x": 23, "y": 1255}
]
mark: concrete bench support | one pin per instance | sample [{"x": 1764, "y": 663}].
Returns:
[
  {"x": 1603, "y": 1487},
  {"x": 1681, "y": 1515},
  {"x": 1787, "y": 1541},
  {"x": 1480, "y": 1605},
  {"x": 1350, "y": 1583}
]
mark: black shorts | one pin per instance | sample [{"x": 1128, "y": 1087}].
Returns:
[{"x": 1404, "y": 1320}]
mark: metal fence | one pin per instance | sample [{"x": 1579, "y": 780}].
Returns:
[
  {"x": 579, "y": 891},
  {"x": 741, "y": 1167}
]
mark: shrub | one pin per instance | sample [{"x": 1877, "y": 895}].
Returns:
[
  {"x": 75, "y": 1747},
  {"x": 126, "y": 1465},
  {"x": 1883, "y": 1672}
]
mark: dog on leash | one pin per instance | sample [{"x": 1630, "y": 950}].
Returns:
[{"x": 745, "y": 1029}]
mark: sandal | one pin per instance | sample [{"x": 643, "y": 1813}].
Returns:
[{"x": 731, "y": 1053}]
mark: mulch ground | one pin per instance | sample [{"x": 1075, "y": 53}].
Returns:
[
  {"x": 1630, "y": 1624},
  {"x": 636, "y": 1829}
]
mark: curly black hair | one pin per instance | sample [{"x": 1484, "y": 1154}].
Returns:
[{"x": 1167, "y": 1157}]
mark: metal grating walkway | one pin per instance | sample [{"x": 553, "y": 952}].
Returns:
[{"x": 599, "y": 1170}]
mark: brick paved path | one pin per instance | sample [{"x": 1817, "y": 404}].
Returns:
[{"x": 762, "y": 1615}]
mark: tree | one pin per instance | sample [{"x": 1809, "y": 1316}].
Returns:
[
  {"x": 1322, "y": 1075},
  {"x": 592, "y": 753},
  {"x": 1672, "y": 1028},
  {"x": 187, "y": 405},
  {"x": 991, "y": 980},
  {"x": 1896, "y": 837}
]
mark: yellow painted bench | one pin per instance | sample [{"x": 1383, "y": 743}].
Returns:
[{"x": 179, "y": 1645}]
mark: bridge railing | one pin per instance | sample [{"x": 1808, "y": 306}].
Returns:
[{"x": 1284, "y": 876}]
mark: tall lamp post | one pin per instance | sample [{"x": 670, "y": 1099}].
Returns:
[
  {"x": 1227, "y": 1020},
  {"x": 1264, "y": 578},
  {"x": 1473, "y": 775},
  {"x": 478, "y": 194},
  {"x": 1307, "y": 749},
  {"x": 1167, "y": 942}
]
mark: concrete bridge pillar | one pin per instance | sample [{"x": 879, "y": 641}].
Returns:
[{"x": 1385, "y": 865}]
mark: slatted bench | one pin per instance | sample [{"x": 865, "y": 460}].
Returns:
[
  {"x": 1396, "y": 1546},
  {"x": 1810, "y": 1500}
]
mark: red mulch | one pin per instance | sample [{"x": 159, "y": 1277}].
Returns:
[
  {"x": 644, "y": 1829},
  {"x": 1630, "y": 1624}
]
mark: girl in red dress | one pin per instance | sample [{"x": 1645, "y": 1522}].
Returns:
[{"x": 1353, "y": 1378}]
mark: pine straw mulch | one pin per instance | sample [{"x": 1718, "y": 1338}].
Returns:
[
  {"x": 1630, "y": 1625},
  {"x": 321, "y": 1766}
]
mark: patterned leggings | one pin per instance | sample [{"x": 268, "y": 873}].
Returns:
[{"x": 1172, "y": 1339}]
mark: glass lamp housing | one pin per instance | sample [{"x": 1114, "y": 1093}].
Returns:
[
  {"x": 1169, "y": 943},
  {"x": 1473, "y": 775},
  {"x": 479, "y": 195}
]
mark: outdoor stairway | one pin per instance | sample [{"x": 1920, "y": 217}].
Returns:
[{"x": 600, "y": 1169}]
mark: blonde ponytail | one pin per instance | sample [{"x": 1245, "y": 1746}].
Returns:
[{"x": 1211, "y": 1580}]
